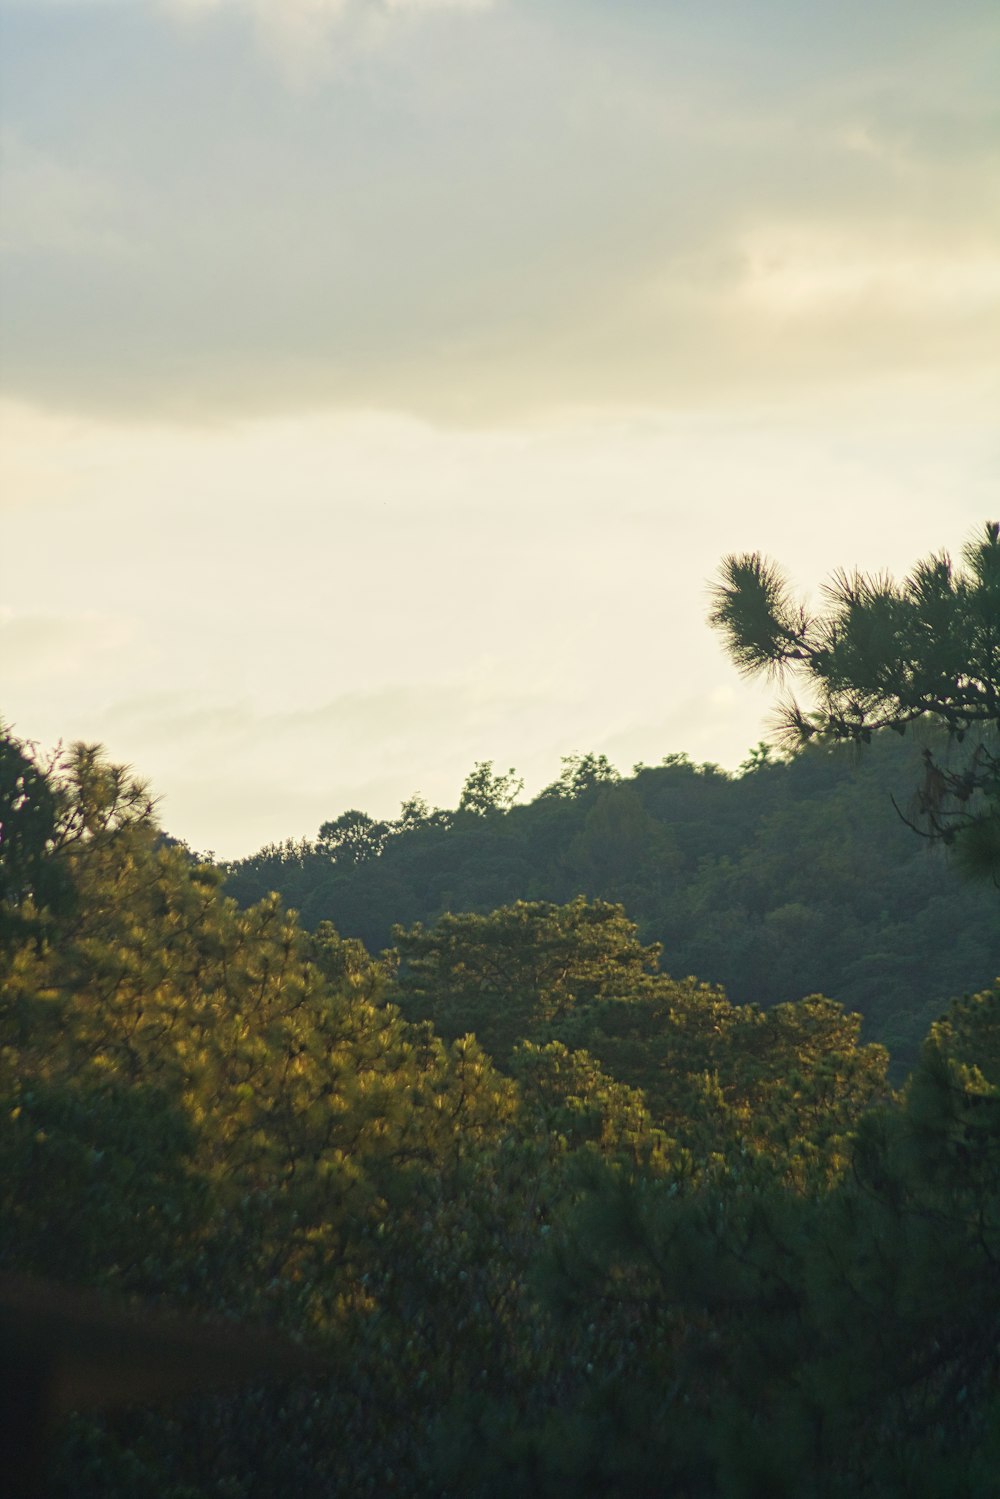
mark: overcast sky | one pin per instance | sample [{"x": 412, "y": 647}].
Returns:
[{"x": 383, "y": 380}]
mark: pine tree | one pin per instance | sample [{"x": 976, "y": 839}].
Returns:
[{"x": 888, "y": 655}]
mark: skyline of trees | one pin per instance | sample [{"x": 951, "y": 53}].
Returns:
[{"x": 794, "y": 876}]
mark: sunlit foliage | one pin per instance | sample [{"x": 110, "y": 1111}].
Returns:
[{"x": 561, "y": 1223}]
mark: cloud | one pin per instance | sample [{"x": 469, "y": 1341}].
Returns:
[
  {"x": 413, "y": 408},
  {"x": 324, "y": 611},
  {"x": 306, "y": 39},
  {"x": 287, "y": 771},
  {"x": 803, "y": 272},
  {"x": 481, "y": 222},
  {"x": 41, "y": 649},
  {"x": 51, "y": 204}
]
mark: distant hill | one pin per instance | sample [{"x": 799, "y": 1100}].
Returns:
[{"x": 793, "y": 877}]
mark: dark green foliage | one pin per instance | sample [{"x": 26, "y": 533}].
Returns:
[
  {"x": 887, "y": 655},
  {"x": 96, "y": 1183},
  {"x": 485, "y": 791},
  {"x": 795, "y": 877},
  {"x": 581, "y": 774},
  {"x": 838, "y": 1344},
  {"x": 351, "y": 839},
  {"x": 34, "y": 881},
  {"x": 676, "y": 1246}
]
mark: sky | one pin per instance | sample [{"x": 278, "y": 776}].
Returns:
[{"x": 383, "y": 381}]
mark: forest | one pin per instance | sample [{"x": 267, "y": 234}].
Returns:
[
  {"x": 643, "y": 1140},
  {"x": 795, "y": 876}
]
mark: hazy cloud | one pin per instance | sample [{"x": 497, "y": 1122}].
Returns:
[
  {"x": 306, "y": 39},
  {"x": 288, "y": 772},
  {"x": 38, "y": 649},
  {"x": 50, "y": 204},
  {"x": 479, "y": 221},
  {"x": 401, "y": 373},
  {"x": 323, "y": 611}
]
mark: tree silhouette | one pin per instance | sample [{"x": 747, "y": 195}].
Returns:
[{"x": 890, "y": 655}]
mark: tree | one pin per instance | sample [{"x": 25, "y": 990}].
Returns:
[
  {"x": 33, "y": 880},
  {"x": 889, "y": 655},
  {"x": 414, "y": 813},
  {"x": 486, "y": 791},
  {"x": 521, "y": 971},
  {"x": 621, "y": 851},
  {"x": 204, "y": 1104},
  {"x": 578, "y": 1103},
  {"x": 352, "y": 838},
  {"x": 582, "y": 773},
  {"x": 728, "y": 1081},
  {"x": 743, "y": 1339}
]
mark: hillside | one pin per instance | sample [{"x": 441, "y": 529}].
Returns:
[
  {"x": 791, "y": 878},
  {"x": 614, "y": 1253}
]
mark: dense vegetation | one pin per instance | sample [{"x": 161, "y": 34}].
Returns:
[
  {"x": 562, "y": 1223},
  {"x": 796, "y": 876},
  {"x": 663, "y": 1244}
]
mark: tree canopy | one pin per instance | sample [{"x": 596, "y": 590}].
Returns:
[
  {"x": 793, "y": 876},
  {"x": 884, "y": 654}
]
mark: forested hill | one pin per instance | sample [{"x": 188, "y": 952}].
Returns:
[
  {"x": 790, "y": 878},
  {"x": 646, "y": 1242}
]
